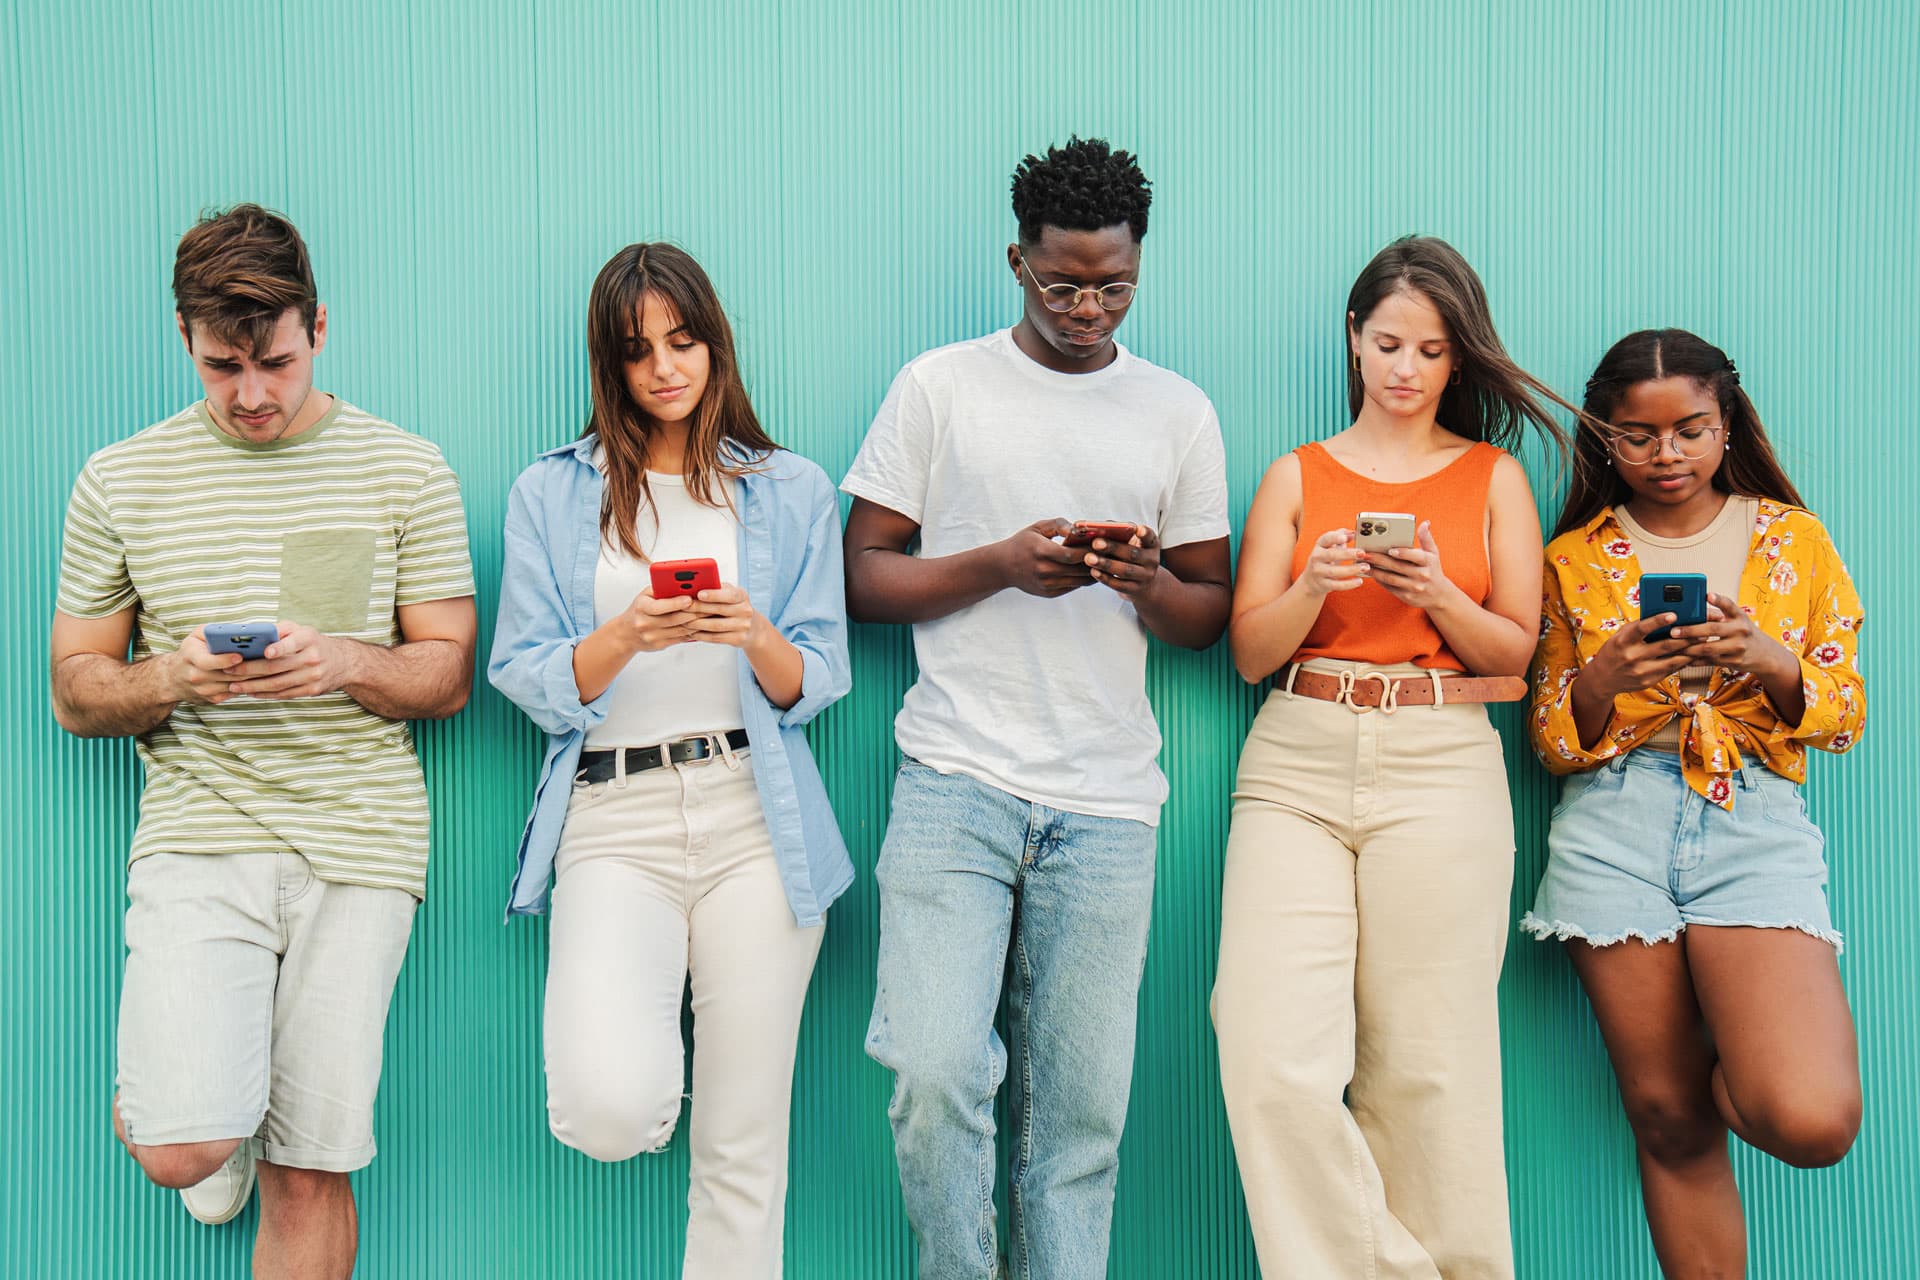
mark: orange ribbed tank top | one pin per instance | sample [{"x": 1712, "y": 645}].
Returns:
[{"x": 1367, "y": 624}]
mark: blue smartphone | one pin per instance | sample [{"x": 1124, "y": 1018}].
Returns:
[
  {"x": 248, "y": 639},
  {"x": 1682, "y": 594}
]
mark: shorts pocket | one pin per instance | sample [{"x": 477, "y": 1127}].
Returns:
[
  {"x": 1782, "y": 805},
  {"x": 326, "y": 578},
  {"x": 1598, "y": 781}
]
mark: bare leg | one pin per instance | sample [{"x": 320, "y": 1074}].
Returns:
[
  {"x": 1644, "y": 1000},
  {"x": 308, "y": 1226},
  {"x": 1789, "y": 1075}
]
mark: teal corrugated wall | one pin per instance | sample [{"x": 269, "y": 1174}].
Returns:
[{"x": 462, "y": 169}]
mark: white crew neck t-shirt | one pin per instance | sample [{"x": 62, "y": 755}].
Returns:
[
  {"x": 684, "y": 689},
  {"x": 1043, "y": 699}
]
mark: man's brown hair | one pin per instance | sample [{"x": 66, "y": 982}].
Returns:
[{"x": 236, "y": 272}]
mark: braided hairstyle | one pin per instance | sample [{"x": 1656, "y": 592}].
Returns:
[
  {"x": 1748, "y": 468},
  {"x": 1083, "y": 186}
]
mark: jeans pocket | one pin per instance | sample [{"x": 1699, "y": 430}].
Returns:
[
  {"x": 1783, "y": 805},
  {"x": 326, "y": 578},
  {"x": 1577, "y": 786}
]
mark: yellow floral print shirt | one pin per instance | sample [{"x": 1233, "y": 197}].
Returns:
[{"x": 1795, "y": 589}]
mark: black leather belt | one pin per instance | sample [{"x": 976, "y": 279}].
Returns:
[{"x": 598, "y": 766}]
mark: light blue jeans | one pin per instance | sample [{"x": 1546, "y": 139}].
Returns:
[{"x": 966, "y": 870}]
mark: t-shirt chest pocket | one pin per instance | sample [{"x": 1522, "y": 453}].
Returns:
[{"x": 326, "y": 578}]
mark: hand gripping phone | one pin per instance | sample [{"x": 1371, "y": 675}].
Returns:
[
  {"x": 683, "y": 577},
  {"x": 1681, "y": 594},
  {"x": 1382, "y": 530},
  {"x": 248, "y": 639},
  {"x": 1085, "y": 531}
]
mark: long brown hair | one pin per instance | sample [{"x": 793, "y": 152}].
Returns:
[
  {"x": 1494, "y": 399},
  {"x": 1750, "y": 469},
  {"x": 724, "y": 413}
]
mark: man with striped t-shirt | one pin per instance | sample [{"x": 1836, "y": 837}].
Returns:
[{"x": 282, "y": 842}]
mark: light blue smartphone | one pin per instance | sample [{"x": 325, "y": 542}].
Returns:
[
  {"x": 248, "y": 639},
  {"x": 1682, "y": 594}
]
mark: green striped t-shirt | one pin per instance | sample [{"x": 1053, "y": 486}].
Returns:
[{"x": 335, "y": 528}]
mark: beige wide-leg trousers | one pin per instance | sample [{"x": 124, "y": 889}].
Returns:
[{"x": 1364, "y": 921}]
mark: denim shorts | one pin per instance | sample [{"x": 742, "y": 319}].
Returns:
[{"x": 1634, "y": 852}]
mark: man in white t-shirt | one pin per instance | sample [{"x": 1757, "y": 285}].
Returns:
[{"x": 1024, "y": 814}]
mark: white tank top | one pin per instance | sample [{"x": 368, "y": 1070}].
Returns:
[{"x": 685, "y": 689}]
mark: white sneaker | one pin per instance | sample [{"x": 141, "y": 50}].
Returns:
[{"x": 222, "y": 1196}]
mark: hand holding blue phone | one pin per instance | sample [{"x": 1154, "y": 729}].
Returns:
[{"x": 248, "y": 639}]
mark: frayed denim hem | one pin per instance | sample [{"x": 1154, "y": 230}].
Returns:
[
  {"x": 1831, "y": 937},
  {"x": 1561, "y": 931}
]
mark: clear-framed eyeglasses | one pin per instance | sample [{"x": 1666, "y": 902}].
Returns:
[
  {"x": 1063, "y": 298},
  {"x": 1637, "y": 448}
]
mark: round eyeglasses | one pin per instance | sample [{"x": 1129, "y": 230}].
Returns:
[
  {"x": 1637, "y": 448},
  {"x": 1063, "y": 298}
]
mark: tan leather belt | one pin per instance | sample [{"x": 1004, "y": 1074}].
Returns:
[{"x": 1376, "y": 690}]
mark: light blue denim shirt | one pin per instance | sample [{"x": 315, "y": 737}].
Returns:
[{"x": 790, "y": 566}]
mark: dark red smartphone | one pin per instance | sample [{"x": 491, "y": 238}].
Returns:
[
  {"x": 683, "y": 577},
  {"x": 1085, "y": 531}
]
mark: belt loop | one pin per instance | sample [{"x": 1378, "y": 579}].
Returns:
[
  {"x": 1618, "y": 761},
  {"x": 620, "y": 768},
  {"x": 725, "y": 747},
  {"x": 1293, "y": 670},
  {"x": 666, "y": 755},
  {"x": 1439, "y": 694},
  {"x": 1749, "y": 777}
]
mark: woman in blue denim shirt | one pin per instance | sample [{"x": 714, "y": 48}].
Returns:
[{"x": 679, "y": 810}]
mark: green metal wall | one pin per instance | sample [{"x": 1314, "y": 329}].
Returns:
[{"x": 461, "y": 169}]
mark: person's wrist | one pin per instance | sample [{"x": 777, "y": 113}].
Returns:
[
  {"x": 345, "y": 658},
  {"x": 1592, "y": 687},
  {"x": 175, "y": 685},
  {"x": 1783, "y": 663}
]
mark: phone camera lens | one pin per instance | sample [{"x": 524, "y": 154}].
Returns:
[{"x": 1671, "y": 593}]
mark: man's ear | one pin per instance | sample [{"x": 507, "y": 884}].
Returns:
[
  {"x": 186, "y": 334},
  {"x": 319, "y": 327}
]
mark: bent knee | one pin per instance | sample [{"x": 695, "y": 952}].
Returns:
[
  {"x": 1673, "y": 1129},
  {"x": 615, "y": 1127},
  {"x": 1809, "y": 1137},
  {"x": 184, "y": 1164}
]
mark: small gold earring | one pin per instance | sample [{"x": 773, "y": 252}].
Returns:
[{"x": 1356, "y": 362}]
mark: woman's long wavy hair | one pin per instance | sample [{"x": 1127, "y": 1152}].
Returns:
[
  {"x": 724, "y": 413},
  {"x": 1495, "y": 399},
  {"x": 1748, "y": 468}
]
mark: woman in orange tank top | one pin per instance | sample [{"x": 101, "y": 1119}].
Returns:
[{"x": 1371, "y": 852}]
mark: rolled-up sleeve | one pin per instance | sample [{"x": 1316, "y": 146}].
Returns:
[
  {"x": 1836, "y": 695},
  {"x": 814, "y": 620},
  {"x": 1556, "y": 664},
  {"x": 533, "y": 639}
]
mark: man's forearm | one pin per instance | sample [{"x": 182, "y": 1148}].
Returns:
[
  {"x": 1188, "y": 614},
  {"x": 891, "y": 586},
  {"x": 95, "y": 696},
  {"x": 418, "y": 680}
]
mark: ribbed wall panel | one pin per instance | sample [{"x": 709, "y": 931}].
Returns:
[{"x": 462, "y": 169}]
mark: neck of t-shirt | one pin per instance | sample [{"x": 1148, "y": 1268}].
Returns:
[
  {"x": 304, "y": 436},
  {"x": 1053, "y": 377}
]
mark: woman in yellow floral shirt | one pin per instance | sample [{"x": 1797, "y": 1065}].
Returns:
[{"x": 1681, "y": 825}]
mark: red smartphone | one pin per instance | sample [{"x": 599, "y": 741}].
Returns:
[
  {"x": 683, "y": 577},
  {"x": 1085, "y": 531}
]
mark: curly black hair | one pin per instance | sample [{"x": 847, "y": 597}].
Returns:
[{"x": 1083, "y": 186}]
